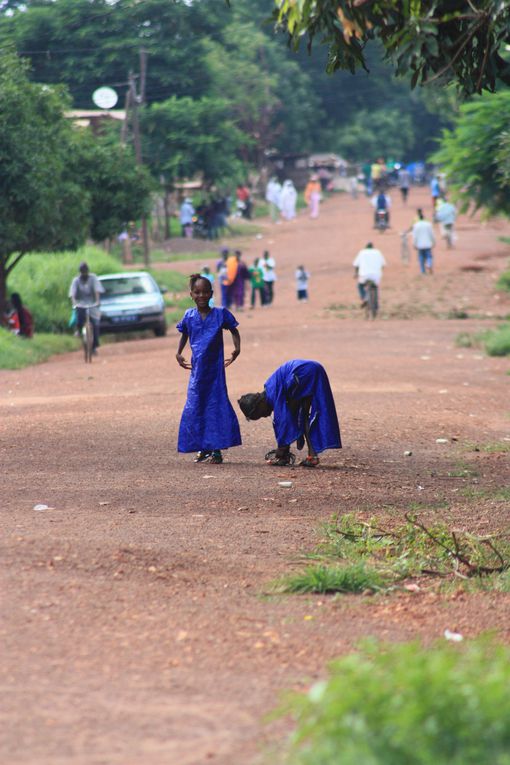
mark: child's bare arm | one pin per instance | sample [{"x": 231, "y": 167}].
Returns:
[
  {"x": 236, "y": 337},
  {"x": 180, "y": 358}
]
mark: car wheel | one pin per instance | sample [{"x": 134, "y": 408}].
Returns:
[{"x": 160, "y": 330}]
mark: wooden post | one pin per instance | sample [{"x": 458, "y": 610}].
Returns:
[{"x": 134, "y": 100}]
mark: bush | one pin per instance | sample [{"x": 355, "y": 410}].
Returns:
[
  {"x": 503, "y": 282},
  {"x": 18, "y": 352},
  {"x": 497, "y": 341},
  {"x": 407, "y": 705},
  {"x": 43, "y": 281}
]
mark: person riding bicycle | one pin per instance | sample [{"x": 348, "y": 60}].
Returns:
[
  {"x": 368, "y": 267},
  {"x": 446, "y": 215},
  {"x": 382, "y": 204},
  {"x": 85, "y": 290}
]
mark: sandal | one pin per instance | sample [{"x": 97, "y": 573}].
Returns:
[
  {"x": 272, "y": 458},
  {"x": 309, "y": 462},
  {"x": 213, "y": 458},
  {"x": 202, "y": 456}
]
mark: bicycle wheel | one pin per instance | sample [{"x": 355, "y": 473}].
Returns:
[
  {"x": 372, "y": 301},
  {"x": 88, "y": 340}
]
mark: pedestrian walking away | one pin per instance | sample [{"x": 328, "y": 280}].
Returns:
[
  {"x": 313, "y": 196},
  {"x": 208, "y": 423},
  {"x": 298, "y": 396},
  {"x": 404, "y": 182},
  {"x": 424, "y": 240},
  {"x": 273, "y": 197}
]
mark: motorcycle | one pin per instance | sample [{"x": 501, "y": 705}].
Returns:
[{"x": 381, "y": 220}]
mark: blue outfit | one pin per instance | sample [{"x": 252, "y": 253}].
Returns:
[
  {"x": 208, "y": 420},
  {"x": 296, "y": 380}
]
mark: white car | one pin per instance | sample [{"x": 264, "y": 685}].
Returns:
[{"x": 132, "y": 301}]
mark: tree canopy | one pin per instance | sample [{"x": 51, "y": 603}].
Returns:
[
  {"x": 277, "y": 99},
  {"x": 447, "y": 41},
  {"x": 58, "y": 184},
  {"x": 475, "y": 154}
]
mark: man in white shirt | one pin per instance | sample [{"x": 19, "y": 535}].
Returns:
[
  {"x": 424, "y": 240},
  {"x": 368, "y": 267}
]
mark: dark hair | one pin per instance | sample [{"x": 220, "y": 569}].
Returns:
[
  {"x": 194, "y": 278},
  {"x": 369, "y": 244},
  {"x": 248, "y": 403},
  {"x": 420, "y": 213}
]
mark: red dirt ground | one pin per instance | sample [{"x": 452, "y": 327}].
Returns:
[{"x": 135, "y": 626}]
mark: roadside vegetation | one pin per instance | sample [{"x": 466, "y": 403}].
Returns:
[
  {"x": 43, "y": 280},
  {"x": 364, "y": 557},
  {"x": 406, "y": 704}
]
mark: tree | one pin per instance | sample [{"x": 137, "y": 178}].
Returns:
[
  {"x": 41, "y": 205},
  {"x": 118, "y": 189},
  {"x": 475, "y": 154},
  {"x": 88, "y": 43},
  {"x": 435, "y": 40},
  {"x": 184, "y": 137}
]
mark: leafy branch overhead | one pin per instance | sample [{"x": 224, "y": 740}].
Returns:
[{"x": 445, "y": 41}]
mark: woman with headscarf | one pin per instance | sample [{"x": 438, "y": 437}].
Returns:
[
  {"x": 313, "y": 195},
  {"x": 288, "y": 200}
]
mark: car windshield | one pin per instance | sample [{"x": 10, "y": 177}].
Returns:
[{"x": 127, "y": 285}]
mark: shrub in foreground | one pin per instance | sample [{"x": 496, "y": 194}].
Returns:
[{"x": 407, "y": 705}]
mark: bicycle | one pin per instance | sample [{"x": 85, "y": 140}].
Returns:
[
  {"x": 371, "y": 299},
  {"x": 404, "y": 247},
  {"x": 87, "y": 332}
]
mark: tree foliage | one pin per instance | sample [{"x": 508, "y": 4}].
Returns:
[
  {"x": 184, "y": 137},
  {"x": 475, "y": 154},
  {"x": 59, "y": 184},
  {"x": 432, "y": 40},
  {"x": 41, "y": 204}
]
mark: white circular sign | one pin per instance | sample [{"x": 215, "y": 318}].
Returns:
[{"x": 105, "y": 98}]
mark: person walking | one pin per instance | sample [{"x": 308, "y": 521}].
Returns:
[
  {"x": 288, "y": 200},
  {"x": 268, "y": 265},
  {"x": 404, "y": 183},
  {"x": 208, "y": 423},
  {"x": 313, "y": 196},
  {"x": 186, "y": 214},
  {"x": 257, "y": 284},
  {"x": 302, "y": 278},
  {"x": 446, "y": 215},
  {"x": 239, "y": 283},
  {"x": 423, "y": 241},
  {"x": 273, "y": 197},
  {"x": 299, "y": 397}
]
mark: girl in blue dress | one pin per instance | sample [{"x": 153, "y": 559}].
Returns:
[{"x": 208, "y": 423}]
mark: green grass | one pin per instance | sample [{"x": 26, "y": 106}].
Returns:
[
  {"x": 17, "y": 352},
  {"x": 43, "y": 281},
  {"x": 405, "y": 704},
  {"x": 352, "y": 548},
  {"x": 323, "y": 579}
]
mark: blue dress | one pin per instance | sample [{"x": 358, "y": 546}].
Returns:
[
  {"x": 208, "y": 421},
  {"x": 299, "y": 379}
]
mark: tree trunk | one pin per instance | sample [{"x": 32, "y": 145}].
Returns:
[
  {"x": 167, "y": 214},
  {"x": 3, "y": 288}
]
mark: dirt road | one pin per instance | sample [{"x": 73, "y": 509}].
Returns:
[{"x": 135, "y": 627}]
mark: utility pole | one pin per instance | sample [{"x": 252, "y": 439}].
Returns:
[{"x": 134, "y": 101}]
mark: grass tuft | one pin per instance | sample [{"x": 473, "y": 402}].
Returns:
[{"x": 352, "y": 578}]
